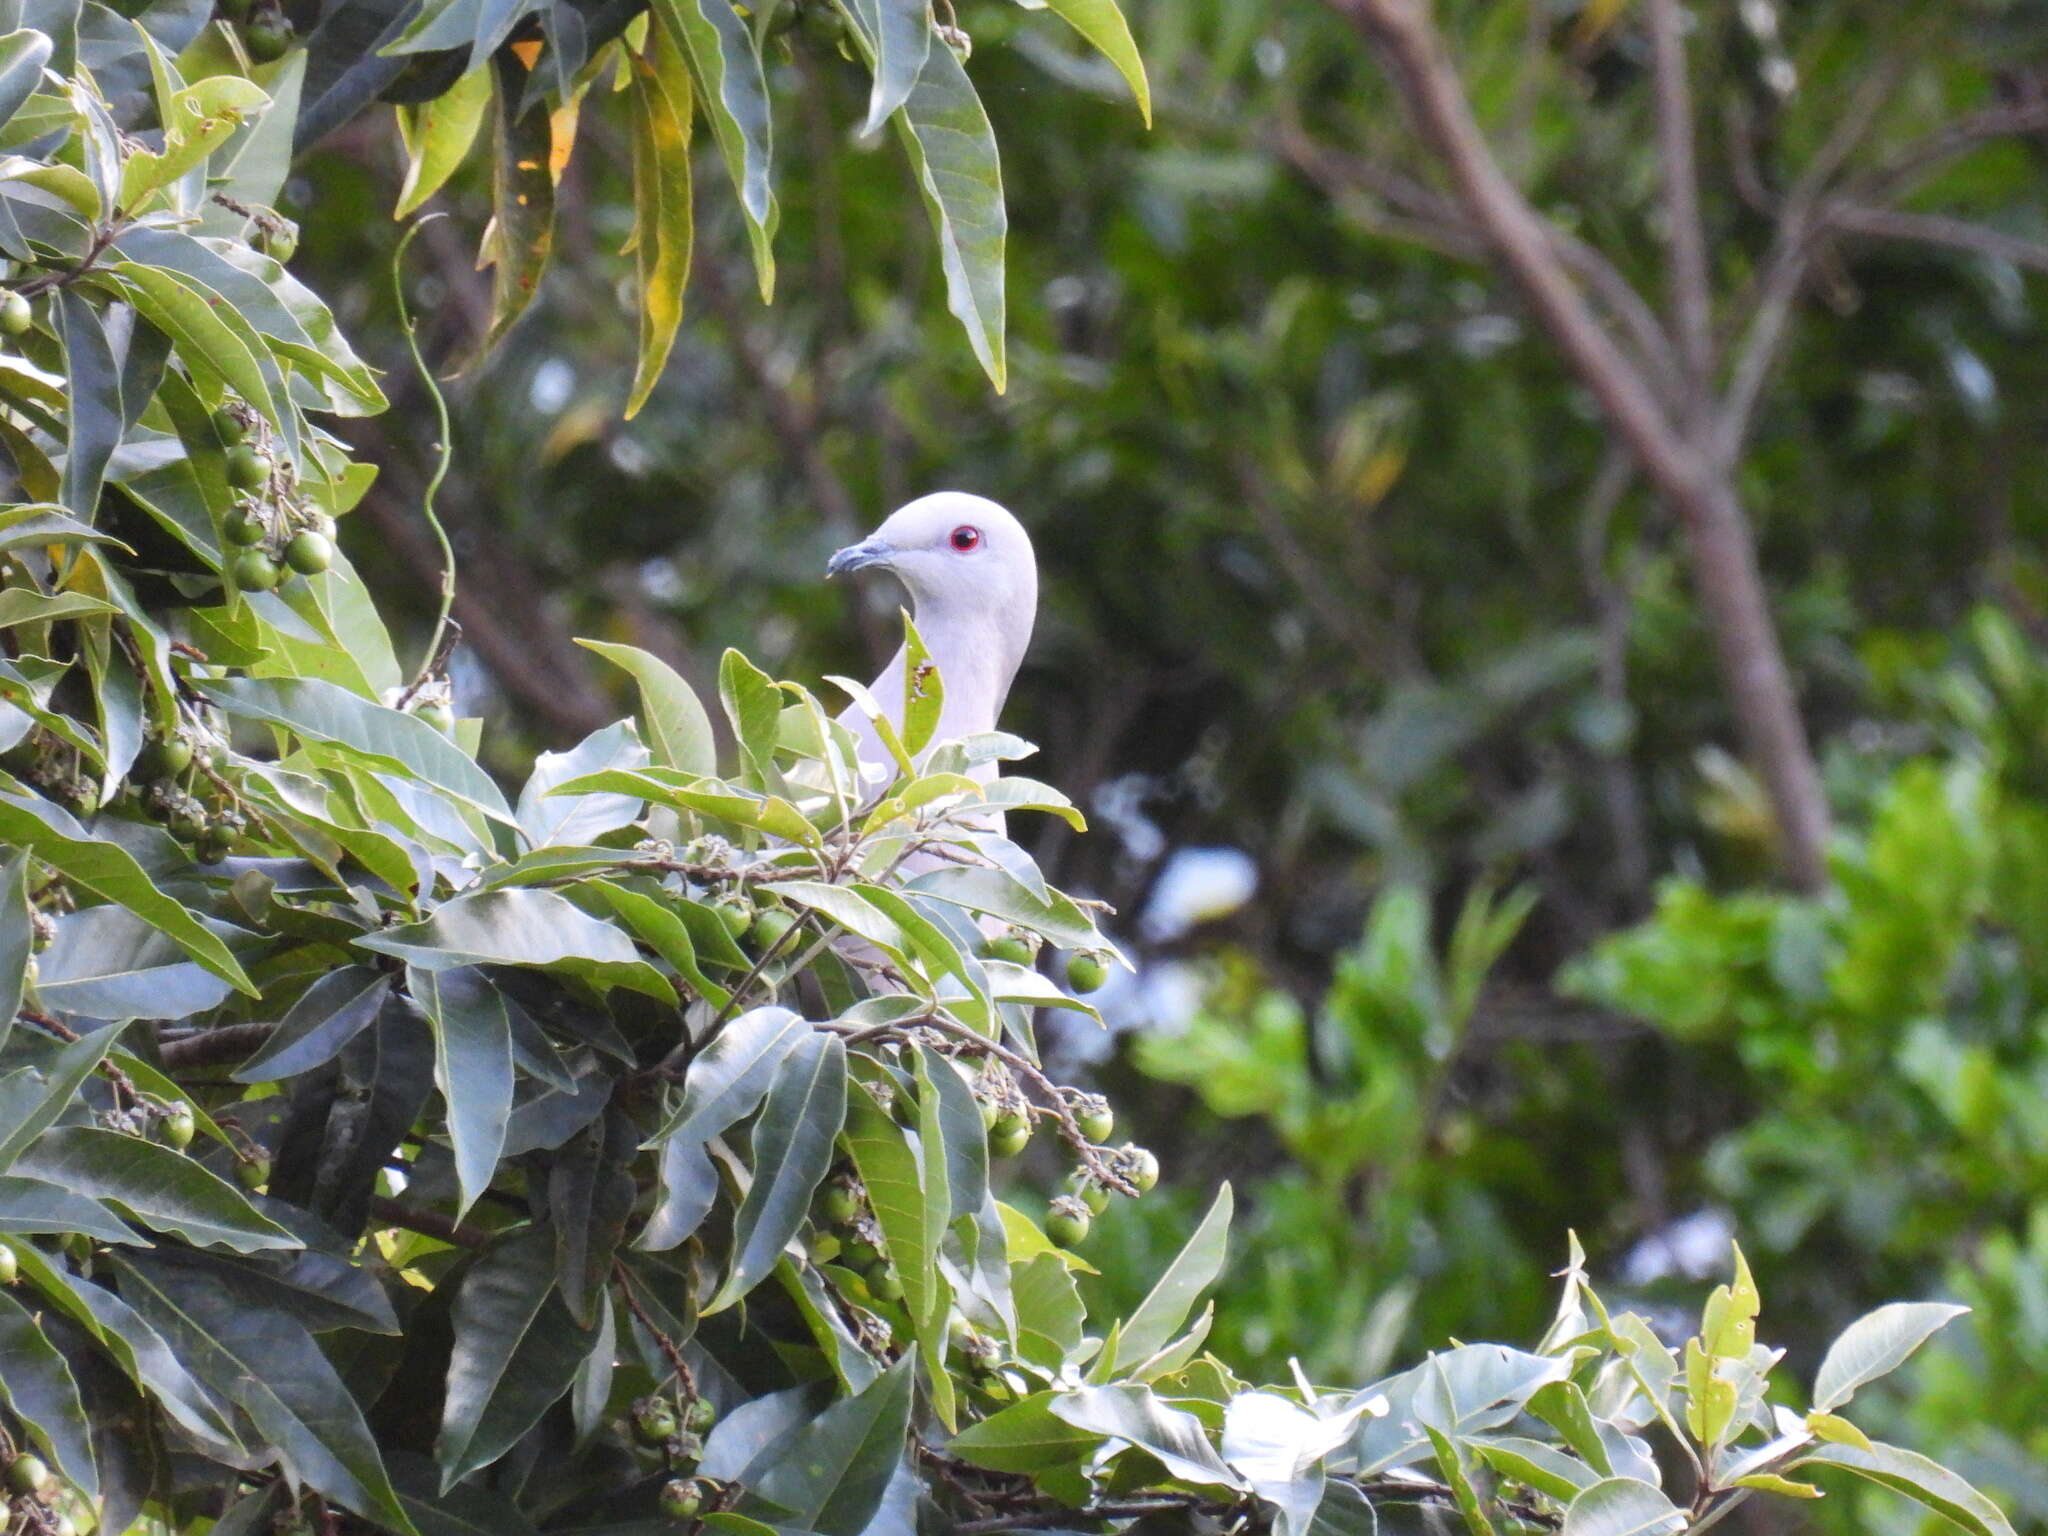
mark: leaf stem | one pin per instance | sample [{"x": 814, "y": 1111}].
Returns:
[{"x": 446, "y": 449}]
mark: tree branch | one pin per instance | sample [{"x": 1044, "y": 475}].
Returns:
[
  {"x": 1723, "y": 553},
  {"x": 1692, "y": 299},
  {"x": 1939, "y": 230}
]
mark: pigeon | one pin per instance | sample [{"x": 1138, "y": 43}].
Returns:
[{"x": 973, "y": 583}]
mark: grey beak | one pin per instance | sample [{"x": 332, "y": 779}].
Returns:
[{"x": 858, "y": 557}]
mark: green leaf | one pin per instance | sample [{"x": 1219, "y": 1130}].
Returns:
[
  {"x": 1049, "y": 1311},
  {"x": 522, "y": 927},
  {"x": 661, "y": 927},
  {"x": 475, "y": 26},
  {"x": 792, "y": 1153},
  {"x": 39, "y": 1389},
  {"x": 438, "y": 134},
  {"x": 1001, "y": 894},
  {"x": 911, "y": 1196},
  {"x": 23, "y": 54},
  {"x": 516, "y": 1353},
  {"x": 161, "y": 1188},
  {"x": 17, "y": 936},
  {"x": 1536, "y": 1465},
  {"x": 380, "y": 737},
  {"x": 1130, "y": 1411},
  {"x": 734, "y": 94},
  {"x": 754, "y": 706},
  {"x": 94, "y": 415},
  {"x": 1784, "y": 1487},
  {"x": 1875, "y": 1345},
  {"x": 571, "y": 820},
  {"x": 472, "y": 1068},
  {"x": 727, "y": 1078},
  {"x": 1279, "y": 1448},
  {"x": 1104, "y": 26},
  {"x": 1450, "y": 1461},
  {"x": 1562, "y": 1405},
  {"x": 31, "y": 1101},
  {"x": 952, "y": 152},
  {"x": 521, "y": 237},
  {"x": 32, "y": 1205},
  {"x": 671, "y": 718},
  {"x": 903, "y": 36},
  {"x": 1026, "y": 1436},
  {"x": 196, "y": 121},
  {"x": 1193, "y": 1270},
  {"x": 1925, "y": 1482},
  {"x": 663, "y": 213},
  {"x": 211, "y": 338},
  {"x": 590, "y": 1195},
  {"x": 153, "y": 1364},
  {"x": 269, "y": 1365},
  {"x": 1622, "y": 1506},
  {"x": 107, "y": 963},
  {"x": 329, "y": 1014},
  {"x": 831, "y": 1474}
]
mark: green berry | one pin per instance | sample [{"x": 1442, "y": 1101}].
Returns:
[
  {"x": 213, "y": 846},
  {"x": 682, "y": 1498},
  {"x": 858, "y": 1252},
  {"x": 884, "y": 1283},
  {"x": 281, "y": 244},
  {"x": 1010, "y": 1134},
  {"x": 734, "y": 912},
  {"x": 254, "y": 1172},
  {"x": 1086, "y": 972},
  {"x": 309, "y": 553},
  {"x": 10, "y": 1266},
  {"x": 244, "y": 528},
  {"x": 164, "y": 758},
  {"x": 1139, "y": 1166},
  {"x": 267, "y": 37},
  {"x": 27, "y": 1475},
  {"x": 825, "y": 1247},
  {"x": 15, "y": 315},
  {"x": 248, "y": 470},
  {"x": 1095, "y": 1118},
  {"x": 1088, "y": 1192},
  {"x": 257, "y": 572},
  {"x": 991, "y": 1111},
  {"x": 770, "y": 925},
  {"x": 700, "y": 1415},
  {"x": 1067, "y": 1222},
  {"x": 189, "y": 822},
  {"x": 178, "y": 1126},
  {"x": 437, "y": 714},
  {"x": 228, "y": 427},
  {"x": 654, "y": 1423},
  {"x": 1009, "y": 947},
  {"x": 838, "y": 1204}
]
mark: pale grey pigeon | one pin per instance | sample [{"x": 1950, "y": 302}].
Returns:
[{"x": 973, "y": 584}]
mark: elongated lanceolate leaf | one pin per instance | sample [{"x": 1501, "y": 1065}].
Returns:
[{"x": 792, "y": 1152}]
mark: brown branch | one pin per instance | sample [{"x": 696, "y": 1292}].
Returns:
[
  {"x": 1960, "y": 137},
  {"x": 1723, "y": 554},
  {"x": 429, "y": 1223},
  {"x": 214, "y": 1047},
  {"x": 1938, "y": 230},
  {"x": 668, "y": 1346},
  {"x": 1692, "y": 303}
]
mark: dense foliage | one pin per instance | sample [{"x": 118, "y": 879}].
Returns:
[{"x": 380, "y": 1149}]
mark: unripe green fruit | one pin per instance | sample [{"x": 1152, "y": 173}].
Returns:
[
  {"x": 308, "y": 553},
  {"x": 825, "y": 1247},
  {"x": 770, "y": 926},
  {"x": 257, "y": 572},
  {"x": 1088, "y": 1192},
  {"x": 682, "y": 1498},
  {"x": 165, "y": 758},
  {"x": 837, "y": 1203},
  {"x": 267, "y": 37},
  {"x": 1094, "y": 1116},
  {"x": 654, "y": 1424},
  {"x": 700, "y": 1415},
  {"x": 189, "y": 824},
  {"x": 253, "y": 1172},
  {"x": 438, "y": 715},
  {"x": 991, "y": 1112},
  {"x": 15, "y": 315},
  {"x": 1086, "y": 972},
  {"x": 734, "y": 912},
  {"x": 1140, "y": 1167},
  {"x": 1010, "y": 1134},
  {"x": 227, "y": 426},
  {"x": 247, "y": 469},
  {"x": 10, "y": 1266},
  {"x": 857, "y": 1252},
  {"x": 1067, "y": 1222},
  {"x": 243, "y": 528},
  {"x": 322, "y": 524},
  {"x": 281, "y": 244},
  {"x": 85, "y": 797},
  {"x": 884, "y": 1282},
  {"x": 27, "y": 1475},
  {"x": 1009, "y": 947},
  {"x": 179, "y": 1125},
  {"x": 213, "y": 846}
]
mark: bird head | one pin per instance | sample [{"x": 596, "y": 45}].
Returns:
[{"x": 957, "y": 555}]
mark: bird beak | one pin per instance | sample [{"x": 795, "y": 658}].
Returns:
[{"x": 858, "y": 557}]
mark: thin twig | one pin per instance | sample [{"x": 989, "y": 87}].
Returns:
[
  {"x": 670, "y": 1350},
  {"x": 445, "y": 446}
]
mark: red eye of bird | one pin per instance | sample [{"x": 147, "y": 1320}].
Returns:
[{"x": 965, "y": 538}]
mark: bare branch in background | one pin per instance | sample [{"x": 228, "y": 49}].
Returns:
[
  {"x": 1692, "y": 294},
  {"x": 1938, "y": 230},
  {"x": 1722, "y": 550}
]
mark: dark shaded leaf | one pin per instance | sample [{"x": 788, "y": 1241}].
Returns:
[
  {"x": 159, "y": 1187},
  {"x": 328, "y": 1014},
  {"x": 92, "y": 396},
  {"x": 792, "y": 1152},
  {"x": 40, "y": 1391},
  {"x": 831, "y": 1474},
  {"x": 472, "y": 1068}
]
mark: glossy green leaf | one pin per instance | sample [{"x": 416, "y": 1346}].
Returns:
[
  {"x": 438, "y": 135},
  {"x": 831, "y": 1474},
  {"x": 271, "y": 1368},
  {"x": 107, "y": 963},
  {"x": 94, "y": 410},
  {"x": 673, "y": 721},
  {"x": 728, "y": 1077},
  {"x": 792, "y": 1152},
  {"x": 1875, "y": 1345},
  {"x": 1622, "y": 1506},
  {"x": 1193, "y": 1270},
  {"x": 734, "y": 94},
  {"x": 548, "y": 818},
  {"x": 17, "y": 937},
  {"x": 1104, "y": 26},
  {"x": 31, "y": 1100},
  {"x": 23, "y": 55},
  {"x": 902, "y": 30},
  {"x": 1926, "y": 1482},
  {"x": 329, "y": 1014},
  {"x": 40, "y": 1391},
  {"x": 1130, "y": 1411},
  {"x": 663, "y": 212},
  {"x": 472, "y": 1068},
  {"x": 1025, "y": 1436},
  {"x": 521, "y": 927},
  {"x": 162, "y": 1189}
]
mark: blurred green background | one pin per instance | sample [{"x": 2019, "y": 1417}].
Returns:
[{"x": 1387, "y": 694}]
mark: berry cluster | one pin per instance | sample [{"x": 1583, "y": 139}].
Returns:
[{"x": 272, "y": 526}]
